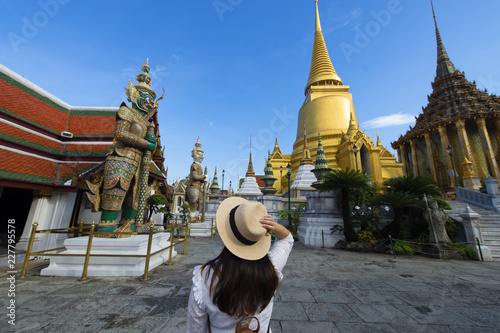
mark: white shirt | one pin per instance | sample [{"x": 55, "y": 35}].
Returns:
[{"x": 200, "y": 305}]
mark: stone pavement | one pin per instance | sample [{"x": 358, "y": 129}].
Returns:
[{"x": 324, "y": 290}]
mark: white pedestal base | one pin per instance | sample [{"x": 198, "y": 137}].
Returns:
[
  {"x": 200, "y": 229},
  {"x": 110, "y": 266},
  {"x": 321, "y": 215}
]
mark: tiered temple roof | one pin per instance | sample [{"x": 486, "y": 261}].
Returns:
[{"x": 453, "y": 97}]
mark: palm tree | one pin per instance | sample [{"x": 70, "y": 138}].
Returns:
[
  {"x": 421, "y": 186},
  {"x": 418, "y": 185},
  {"x": 346, "y": 182},
  {"x": 398, "y": 200}
]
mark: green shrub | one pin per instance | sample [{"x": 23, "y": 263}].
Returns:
[
  {"x": 465, "y": 251},
  {"x": 451, "y": 228},
  {"x": 403, "y": 247},
  {"x": 443, "y": 204}
]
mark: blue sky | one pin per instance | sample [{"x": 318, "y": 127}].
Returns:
[{"x": 238, "y": 68}]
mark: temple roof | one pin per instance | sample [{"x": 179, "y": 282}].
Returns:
[
  {"x": 321, "y": 66},
  {"x": 276, "y": 154},
  {"x": 453, "y": 97}
]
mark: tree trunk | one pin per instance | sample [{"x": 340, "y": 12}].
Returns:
[
  {"x": 398, "y": 217},
  {"x": 349, "y": 232}
]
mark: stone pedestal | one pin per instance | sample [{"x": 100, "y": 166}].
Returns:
[
  {"x": 491, "y": 186},
  {"x": 211, "y": 209},
  {"x": 201, "y": 229},
  {"x": 472, "y": 183},
  {"x": 320, "y": 216},
  {"x": 470, "y": 219},
  {"x": 272, "y": 204},
  {"x": 110, "y": 266}
]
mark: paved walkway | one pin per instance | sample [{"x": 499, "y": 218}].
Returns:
[{"x": 324, "y": 290}]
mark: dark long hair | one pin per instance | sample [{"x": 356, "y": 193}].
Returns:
[{"x": 244, "y": 287}]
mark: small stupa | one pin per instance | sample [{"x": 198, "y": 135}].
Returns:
[
  {"x": 321, "y": 169},
  {"x": 269, "y": 177},
  {"x": 214, "y": 188},
  {"x": 249, "y": 186},
  {"x": 305, "y": 177}
]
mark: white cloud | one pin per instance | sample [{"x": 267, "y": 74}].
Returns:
[{"x": 390, "y": 121}]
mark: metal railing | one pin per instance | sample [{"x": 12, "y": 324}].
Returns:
[
  {"x": 81, "y": 231},
  {"x": 190, "y": 224}
]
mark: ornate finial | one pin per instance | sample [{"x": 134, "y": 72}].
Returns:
[
  {"x": 306, "y": 154},
  {"x": 198, "y": 143},
  {"x": 444, "y": 64},
  {"x": 250, "y": 172},
  {"x": 145, "y": 68},
  {"x": 143, "y": 85},
  {"x": 379, "y": 143},
  {"x": 276, "y": 147},
  {"x": 197, "y": 147},
  {"x": 352, "y": 124}
]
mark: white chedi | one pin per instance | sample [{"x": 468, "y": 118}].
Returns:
[
  {"x": 304, "y": 177},
  {"x": 249, "y": 187}
]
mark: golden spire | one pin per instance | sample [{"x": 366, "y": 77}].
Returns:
[
  {"x": 379, "y": 143},
  {"x": 322, "y": 70},
  {"x": 250, "y": 172},
  {"x": 306, "y": 154},
  {"x": 276, "y": 147},
  {"x": 352, "y": 125}
]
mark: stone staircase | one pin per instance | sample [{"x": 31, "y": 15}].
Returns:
[{"x": 489, "y": 224}]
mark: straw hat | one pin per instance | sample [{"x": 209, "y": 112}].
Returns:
[{"x": 239, "y": 228}]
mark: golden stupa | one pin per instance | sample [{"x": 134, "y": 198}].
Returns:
[{"x": 328, "y": 110}]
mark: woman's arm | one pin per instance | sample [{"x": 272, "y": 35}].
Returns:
[
  {"x": 271, "y": 226},
  {"x": 197, "y": 318}
]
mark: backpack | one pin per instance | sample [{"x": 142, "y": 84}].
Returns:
[{"x": 242, "y": 326}]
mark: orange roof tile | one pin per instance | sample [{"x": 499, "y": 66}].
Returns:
[
  {"x": 92, "y": 125},
  {"x": 27, "y": 136},
  {"x": 26, "y": 164},
  {"x": 31, "y": 108}
]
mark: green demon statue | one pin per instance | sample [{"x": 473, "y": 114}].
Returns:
[{"x": 126, "y": 169}]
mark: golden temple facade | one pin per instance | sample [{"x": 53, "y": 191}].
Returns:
[
  {"x": 457, "y": 133},
  {"x": 328, "y": 110}
]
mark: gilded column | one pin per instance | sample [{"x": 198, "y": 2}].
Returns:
[
  {"x": 414, "y": 157},
  {"x": 445, "y": 143},
  {"x": 404, "y": 160},
  {"x": 488, "y": 149},
  {"x": 430, "y": 155},
  {"x": 464, "y": 140}
]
